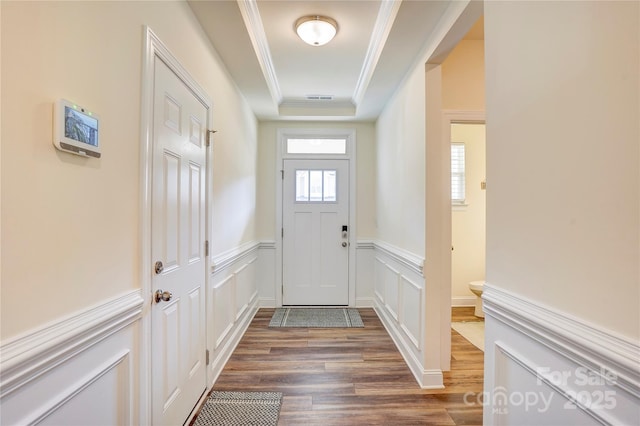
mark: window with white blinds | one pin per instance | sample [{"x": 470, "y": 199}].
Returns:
[{"x": 457, "y": 173}]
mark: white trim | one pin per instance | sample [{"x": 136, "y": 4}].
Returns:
[
  {"x": 404, "y": 257},
  {"x": 224, "y": 260},
  {"x": 414, "y": 338},
  {"x": 255, "y": 30},
  {"x": 427, "y": 379},
  {"x": 365, "y": 245},
  {"x": 601, "y": 416},
  {"x": 25, "y": 358},
  {"x": 350, "y": 134},
  {"x": 397, "y": 278},
  {"x": 381, "y": 29},
  {"x": 461, "y": 301},
  {"x": 267, "y": 245},
  {"x": 152, "y": 48},
  {"x": 66, "y": 395},
  {"x": 240, "y": 326},
  {"x": 575, "y": 339}
]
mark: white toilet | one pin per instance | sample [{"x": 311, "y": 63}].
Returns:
[{"x": 476, "y": 288}]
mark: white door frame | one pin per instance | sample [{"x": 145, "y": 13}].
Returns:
[
  {"x": 153, "y": 47},
  {"x": 350, "y": 135}
]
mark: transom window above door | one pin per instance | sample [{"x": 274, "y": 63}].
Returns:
[
  {"x": 316, "y": 186},
  {"x": 316, "y": 146}
]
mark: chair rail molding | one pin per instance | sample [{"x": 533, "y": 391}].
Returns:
[
  {"x": 27, "y": 357},
  {"x": 594, "y": 371},
  {"x": 229, "y": 257}
]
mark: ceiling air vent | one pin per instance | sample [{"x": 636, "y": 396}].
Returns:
[{"x": 319, "y": 97}]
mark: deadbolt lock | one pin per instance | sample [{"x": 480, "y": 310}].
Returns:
[{"x": 159, "y": 267}]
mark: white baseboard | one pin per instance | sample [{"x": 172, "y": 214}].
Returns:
[
  {"x": 426, "y": 378},
  {"x": 462, "y": 301},
  {"x": 267, "y": 302},
  {"x": 232, "y": 340},
  {"x": 365, "y": 302}
]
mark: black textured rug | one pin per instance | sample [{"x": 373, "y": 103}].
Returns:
[
  {"x": 240, "y": 409},
  {"x": 316, "y": 318}
]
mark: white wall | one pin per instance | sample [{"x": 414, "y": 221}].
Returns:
[
  {"x": 400, "y": 165},
  {"x": 70, "y": 226},
  {"x": 404, "y": 299},
  {"x": 563, "y": 210}
]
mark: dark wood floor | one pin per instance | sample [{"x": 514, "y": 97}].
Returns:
[{"x": 351, "y": 376}]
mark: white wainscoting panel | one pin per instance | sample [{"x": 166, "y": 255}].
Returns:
[
  {"x": 379, "y": 269},
  {"x": 223, "y": 315},
  {"x": 399, "y": 296},
  {"x": 246, "y": 289},
  {"x": 543, "y": 366},
  {"x": 411, "y": 318},
  {"x": 266, "y": 274},
  {"x": 365, "y": 277},
  {"x": 391, "y": 279},
  {"x": 80, "y": 370},
  {"x": 232, "y": 303}
]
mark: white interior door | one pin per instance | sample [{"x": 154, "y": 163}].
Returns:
[
  {"x": 177, "y": 241},
  {"x": 315, "y": 217}
]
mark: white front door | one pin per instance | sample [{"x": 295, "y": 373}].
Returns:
[
  {"x": 177, "y": 246},
  {"x": 315, "y": 217}
]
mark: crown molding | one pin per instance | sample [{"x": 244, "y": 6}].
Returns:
[
  {"x": 381, "y": 29},
  {"x": 255, "y": 29}
]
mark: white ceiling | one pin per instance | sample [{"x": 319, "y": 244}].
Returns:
[{"x": 376, "y": 44}]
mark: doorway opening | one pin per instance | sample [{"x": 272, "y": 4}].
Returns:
[
  {"x": 468, "y": 227},
  {"x": 468, "y": 209}
]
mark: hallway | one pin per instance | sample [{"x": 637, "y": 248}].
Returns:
[{"x": 350, "y": 376}]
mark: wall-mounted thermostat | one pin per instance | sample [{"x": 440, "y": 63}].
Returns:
[{"x": 76, "y": 129}]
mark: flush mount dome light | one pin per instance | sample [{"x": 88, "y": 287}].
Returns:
[{"x": 316, "y": 30}]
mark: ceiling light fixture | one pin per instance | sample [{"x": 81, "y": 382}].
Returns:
[{"x": 316, "y": 30}]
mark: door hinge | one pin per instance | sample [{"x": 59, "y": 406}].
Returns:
[
  {"x": 209, "y": 133},
  {"x": 206, "y": 247},
  {"x": 282, "y": 173},
  {"x": 282, "y": 233},
  {"x": 207, "y": 357}
]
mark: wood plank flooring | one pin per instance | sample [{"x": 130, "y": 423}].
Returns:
[{"x": 350, "y": 376}]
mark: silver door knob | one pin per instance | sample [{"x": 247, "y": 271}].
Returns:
[
  {"x": 163, "y": 296},
  {"x": 344, "y": 244},
  {"x": 158, "y": 267}
]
